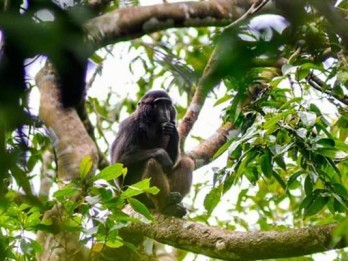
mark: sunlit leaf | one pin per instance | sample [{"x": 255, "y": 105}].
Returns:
[
  {"x": 111, "y": 172},
  {"x": 328, "y": 143},
  {"x": 140, "y": 208},
  {"x": 212, "y": 199},
  {"x": 115, "y": 243},
  {"x": 66, "y": 192},
  {"x": 85, "y": 166},
  {"x": 139, "y": 188}
]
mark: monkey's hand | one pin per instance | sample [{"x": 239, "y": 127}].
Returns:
[
  {"x": 163, "y": 158},
  {"x": 168, "y": 128}
]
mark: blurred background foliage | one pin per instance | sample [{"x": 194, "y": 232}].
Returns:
[{"x": 284, "y": 90}]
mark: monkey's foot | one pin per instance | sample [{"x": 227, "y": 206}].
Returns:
[
  {"x": 175, "y": 210},
  {"x": 174, "y": 198}
]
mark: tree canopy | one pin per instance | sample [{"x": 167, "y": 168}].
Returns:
[{"x": 277, "y": 75}]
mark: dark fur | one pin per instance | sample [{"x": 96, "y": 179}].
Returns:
[{"x": 147, "y": 144}]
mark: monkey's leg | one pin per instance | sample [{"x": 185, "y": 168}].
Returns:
[
  {"x": 180, "y": 179},
  {"x": 154, "y": 171}
]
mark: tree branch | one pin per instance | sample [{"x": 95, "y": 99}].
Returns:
[
  {"x": 72, "y": 144},
  {"x": 204, "y": 152},
  {"x": 232, "y": 245},
  {"x": 319, "y": 85},
  {"x": 133, "y": 22},
  {"x": 70, "y": 138}
]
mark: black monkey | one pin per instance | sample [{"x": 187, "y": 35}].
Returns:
[{"x": 147, "y": 144}]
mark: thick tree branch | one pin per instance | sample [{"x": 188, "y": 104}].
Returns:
[
  {"x": 129, "y": 23},
  {"x": 204, "y": 152},
  {"x": 233, "y": 245},
  {"x": 212, "y": 75},
  {"x": 72, "y": 144},
  {"x": 70, "y": 138}
]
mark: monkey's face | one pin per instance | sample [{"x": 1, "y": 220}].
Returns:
[
  {"x": 164, "y": 111},
  {"x": 156, "y": 108}
]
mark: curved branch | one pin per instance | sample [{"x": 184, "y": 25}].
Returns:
[
  {"x": 232, "y": 245},
  {"x": 69, "y": 137},
  {"x": 133, "y": 22},
  {"x": 72, "y": 144},
  {"x": 204, "y": 152}
]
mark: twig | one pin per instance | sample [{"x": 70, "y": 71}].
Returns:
[{"x": 252, "y": 10}]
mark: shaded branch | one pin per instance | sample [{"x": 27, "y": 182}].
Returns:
[
  {"x": 72, "y": 144},
  {"x": 204, "y": 152},
  {"x": 69, "y": 137},
  {"x": 320, "y": 86},
  {"x": 232, "y": 245},
  {"x": 133, "y": 22}
]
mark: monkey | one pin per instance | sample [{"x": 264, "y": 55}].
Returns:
[{"x": 147, "y": 143}]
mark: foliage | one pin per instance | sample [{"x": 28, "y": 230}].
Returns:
[{"x": 287, "y": 166}]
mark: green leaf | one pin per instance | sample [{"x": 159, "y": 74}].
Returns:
[
  {"x": 342, "y": 76},
  {"x": 140, "y": 208},
  {"x": 114, "y": 243},
  {"x": 315, "y": 205},
  {"x": 327, "y": 152},
  {"x": 139, "y": 188},
  {"x": 293, "y": 100},
  {"x": 212, "y": 199},
  {"x": 342, "y": 146},
  {"x": 33, "y": 219},
  {"x": 270, "y": 124},
  {"x": 252, "y": 174},
  {"x": 223, "y": 148},
  {"x": 340, "y": 190},
  {"x": 111, "y": 172},
  {"x": 66, "y": 192},
  {"x": 314, "y": 108},
  {"x": 85, "y": 166},
  {"x": 293, "y": 178},
  {"x": 308, "y": 185},
  {"x": 280, "y": 161},
  {"x": 225, "y": 98},
  {"x": 326, "y": 143},
  {"x": 341, "y": 204},
  {"x": 279, "y": 179},
  {"x": 266, "y": 164}
]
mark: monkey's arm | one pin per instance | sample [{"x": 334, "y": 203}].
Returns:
[
  {"x": 169, "y": 128},
  {"x": 133, "y": 157},
  {"x": 126, "y": 150}
]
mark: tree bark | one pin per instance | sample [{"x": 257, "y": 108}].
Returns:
[
  {"x": 133, "y": 22},
  {"x": 233, "y": 245}
]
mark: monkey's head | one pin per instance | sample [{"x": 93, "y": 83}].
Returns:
[{"x": 156, "y": 106}]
